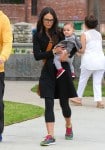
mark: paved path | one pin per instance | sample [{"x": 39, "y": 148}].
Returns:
[{"x": 88, "y": 124}]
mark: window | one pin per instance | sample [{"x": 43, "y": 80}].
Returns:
[
  {"x": 12, "y": 1},
  {"x": 33, "y": 7}
]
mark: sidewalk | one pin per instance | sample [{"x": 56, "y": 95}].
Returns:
[{"x": 88, "y": 124}]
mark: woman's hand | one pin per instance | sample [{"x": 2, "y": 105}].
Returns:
[
  {"x": 64, "y": 56},
  {"x": 78, "y": 54},
  {"x": 58, "y": 49}
]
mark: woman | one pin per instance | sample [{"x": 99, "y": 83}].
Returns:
[
  {"x": 47, "y": 36},
  {"x": 92, "y": 61}
]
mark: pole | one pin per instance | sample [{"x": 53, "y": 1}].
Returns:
[{"x": 97, "y": 12}]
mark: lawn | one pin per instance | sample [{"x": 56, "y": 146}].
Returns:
[
  {"x": 18, "y": 112},
  {"x": 88, "y": 91}
]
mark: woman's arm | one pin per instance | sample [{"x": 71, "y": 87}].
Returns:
[{"x": 38, "y": 53}]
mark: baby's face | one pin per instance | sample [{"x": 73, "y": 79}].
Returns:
[{"x": 68, "y": 30}]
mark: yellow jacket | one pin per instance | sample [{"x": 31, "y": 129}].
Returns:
[{"x": 5, "y": 39}]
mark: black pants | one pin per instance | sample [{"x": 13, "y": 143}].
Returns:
[
  {"x": 2, "y": 86},
  {"x": 49, "y": 109}
]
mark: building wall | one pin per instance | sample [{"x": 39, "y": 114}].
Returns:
[
  {"x": 97, "y": 7},
  {"x": 16, "y": 13},
  {"x": 65, "y": 9}
]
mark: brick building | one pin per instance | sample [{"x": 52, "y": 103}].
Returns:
[{"x": 28, "y": 10}]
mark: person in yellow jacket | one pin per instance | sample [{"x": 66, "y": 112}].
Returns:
[{"x": 5, "y": 51}]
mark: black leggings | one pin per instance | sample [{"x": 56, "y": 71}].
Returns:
[
  {"x": 2, "y": 86},
  {"x": 49, "y": 109}
]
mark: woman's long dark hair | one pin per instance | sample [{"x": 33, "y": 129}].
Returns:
[{"x": 54, "y": 29}]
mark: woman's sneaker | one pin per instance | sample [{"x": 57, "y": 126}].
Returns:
[
  {"x": 60, "y": 72},
  {"x": 49, "y": 140},
  {"x": 0, "y": 137},
  {"x": 69, "y": 133},
  {"x": 73, "y": 75}
]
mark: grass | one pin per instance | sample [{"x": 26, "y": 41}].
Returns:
[
  {"x": 34, "y": 88},
  {"x": 88, "y": 91},
  {"x": 18, "y": 112},
  {"x": 89, "y": 88}
]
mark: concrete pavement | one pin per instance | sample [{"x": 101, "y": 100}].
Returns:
[{"x": 88, "y": 123}]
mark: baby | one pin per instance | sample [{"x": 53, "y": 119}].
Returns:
[{"x": 71, "y": 45}]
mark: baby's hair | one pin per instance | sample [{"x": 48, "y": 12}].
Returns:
[{"x": 69, "y": 23}]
